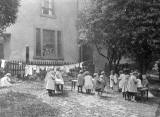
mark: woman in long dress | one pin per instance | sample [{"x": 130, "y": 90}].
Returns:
[
  {"x": 50, "y": 83},
  {"x": 88, "y": 83}
]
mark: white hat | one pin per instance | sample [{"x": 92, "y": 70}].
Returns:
[
  {"x": 8, "y": 74},
  {"x": 102, "y": 72},
  {"x": 95, "y": 74}
]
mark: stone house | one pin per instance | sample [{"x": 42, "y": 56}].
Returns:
[{"x": 47, "y": 28}]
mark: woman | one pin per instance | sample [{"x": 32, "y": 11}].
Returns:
[
  {"x": 5, "y": 81},
  {"x": 50, "y": 83},
  {"x": 111, "y": 79},
  {"x": 88, "y": 83}
]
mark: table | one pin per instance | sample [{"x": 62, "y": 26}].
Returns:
[{"x": 143, "y": 91}]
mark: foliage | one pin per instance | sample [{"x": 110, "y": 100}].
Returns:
[
  {"x": 123, "y": 28},
  {"x": 8, "y": 13}
]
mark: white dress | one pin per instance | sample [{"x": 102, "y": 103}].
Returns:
[
  {"x": 88, "y": 83},
  {"x": 122, "y": 80},
  {"x": 5, "y": 82},
  {"x": 111, "y": 80},
  {"x": 139, "y": 83},
  {"x": 50, "y": 82},
  {"x": 132, "y": 84}
]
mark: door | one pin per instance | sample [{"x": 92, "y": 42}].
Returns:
[{"x": 1, "y": 51}]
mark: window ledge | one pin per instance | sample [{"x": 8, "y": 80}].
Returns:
[
  {"x": 48, "y": 16},
  {"x": 46, "y": 58}
]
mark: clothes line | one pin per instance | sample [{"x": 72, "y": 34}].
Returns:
[{"x": 30, "y": 69}]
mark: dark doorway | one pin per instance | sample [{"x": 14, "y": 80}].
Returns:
[
  {"x": 1, "y": 51},
  {"x": 87, "y": 53}
]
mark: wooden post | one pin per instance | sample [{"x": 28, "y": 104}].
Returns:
[{"x": 27, "y": 54}]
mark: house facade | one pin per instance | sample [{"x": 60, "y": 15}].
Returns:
[{"x": 47, "y": 28}]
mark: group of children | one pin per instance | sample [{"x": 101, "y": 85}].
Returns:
[
  {"x": 129, "y": 83},
  {"x": 91, "y": 83},
  {"x": 54, "y": 81}
]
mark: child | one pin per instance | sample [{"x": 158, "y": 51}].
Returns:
[
  {"x": 121, "y": 80},
  {"x": 115, "y": 79},
  {"x": 132, "y": 86},
  {"x": 95, "y": 78},
  {"x": 125, "y": 87},
  {"x": 88, "y": 83},
  {"x": 111, "y": 79},
  {"x": 80, "y": 81},
  {"x": 50, "y": 83}
]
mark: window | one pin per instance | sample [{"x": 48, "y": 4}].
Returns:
[
  {"x": 47, "y": 7},
  {"x": 48, "y": 44},
  {"x": 49, "y": 49}
]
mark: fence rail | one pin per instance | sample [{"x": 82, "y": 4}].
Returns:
[{"x": 17, "y": 67}]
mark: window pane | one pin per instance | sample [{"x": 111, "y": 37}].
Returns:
[
  {"x": 38, "y": 42},
  {"x": 47, "y": 7},
  {"x": 46, "y": 3},
  {"x": 45, "y": 11},
  {"x": 59, "y": 39},
  {"x": 49, "y": 44}
]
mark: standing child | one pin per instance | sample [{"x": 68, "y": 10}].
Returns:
[
  {"x": 80, "y": 81},
  {"x": 132, "y": 86},
  {"x": 88, "y": 83},
  {"x": 115, "y": 79},
  {"x": 50, "y": 83},
  {"x": 95, "y": 78},
  {"x": 125, "y": 87},
  {"x": 111, "y": 79}
]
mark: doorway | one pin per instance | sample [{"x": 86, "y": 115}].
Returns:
[{"x": 1, "y": 51}]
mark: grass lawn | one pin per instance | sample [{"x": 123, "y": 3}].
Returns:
[{"x": 14, "y": 104}]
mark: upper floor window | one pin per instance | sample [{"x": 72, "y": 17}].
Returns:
[{"x": 48, "y": 7}]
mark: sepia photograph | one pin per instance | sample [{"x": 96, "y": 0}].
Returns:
[{"x": 79, "y": 58}]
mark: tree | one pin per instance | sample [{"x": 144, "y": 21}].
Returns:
[
  {"x": 124, "y": 28},
  {"x": 103, "y": 30},
  {"x": 8, "y": 13}
]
